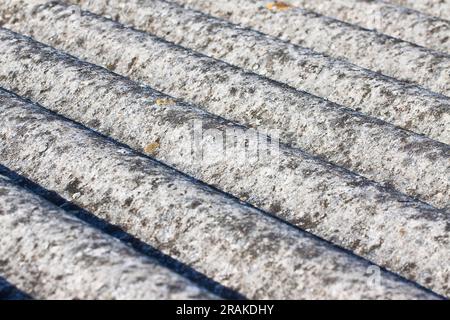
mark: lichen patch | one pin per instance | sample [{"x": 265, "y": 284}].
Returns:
[
  {"x": 164, "y": 102},
  {"x": 152, "y": 147},
  {"x": 278, "y": 6}
]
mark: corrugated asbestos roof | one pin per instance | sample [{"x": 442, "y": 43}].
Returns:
[{"x": 202, "y": 149}]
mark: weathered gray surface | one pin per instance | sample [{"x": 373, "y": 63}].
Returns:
[
  {"x": 365, "y": 48},
  {"x": 378, "y": 223},
  {"x": 51, "y": 255},
  {"x": 438, "y": 8},
  {"x": 412, "y": 164},
  {"x": 390, "y": 19},
  {"x": 201, "y": 227},
  {"x": 409, "y": 107}
]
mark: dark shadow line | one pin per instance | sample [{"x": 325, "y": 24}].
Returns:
[
  {"x": 10, "y": 292},
  {"x": 118, "y": 233}
]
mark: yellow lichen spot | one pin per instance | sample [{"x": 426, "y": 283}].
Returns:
[
  {"x": 278, "y": 5},
  {"x": 164, "y": 101},
  {"x": 152, "y": 147}
]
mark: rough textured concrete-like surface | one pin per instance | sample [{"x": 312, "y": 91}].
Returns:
[
  {"x": 62, "y": 258},
  {"x": 374, "y": 222},
  {"x": 412, "y": 164},
  {"x": 393, "y": 20},
  {"x": 409, "y": 107},
  {"x": 365, "y": 48},
  {"x": 211, "y": 232},
  {"x": 438, "y": 8}
]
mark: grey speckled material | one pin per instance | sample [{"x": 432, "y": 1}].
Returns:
[
  {"x": 52, "y": 255},
  {"x": 409, "y": 107},
  {"x": 239, "y": 246},
  {"x": 393, "y": 20},
  {"x": 377, "y": 223},
  {"x": 412, "y": 164},
  {"x": 365, "y": 48},
  {"x": 438, "y": 8}
]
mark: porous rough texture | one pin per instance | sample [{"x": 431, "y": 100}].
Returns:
[
  {"x": 409, "y": 107},
  {"x": 412, "y": 164},
  {"x": 393, "y": 20},
  {"x": 438, "y": 8},
  {"x": 239, "y": 246},
  {"x": 375, "y": 222},
  {"x": 61, "y": 257},
  {"x": 363, "y": 47}
]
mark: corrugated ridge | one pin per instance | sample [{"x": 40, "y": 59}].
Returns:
[
  {"x": 407, "y": 106},
  {"x": 189, "y": 221},
  {"x": 390, "y": 19},
  {"x": 61, "y": 257},
  {"x": 258, "y": 252},
  {"x": 438, "y": 8},
  {"x": 286, "y": 182},
  {"x": 365, "y": 48},
  {"x": 410, "y": 163}
]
